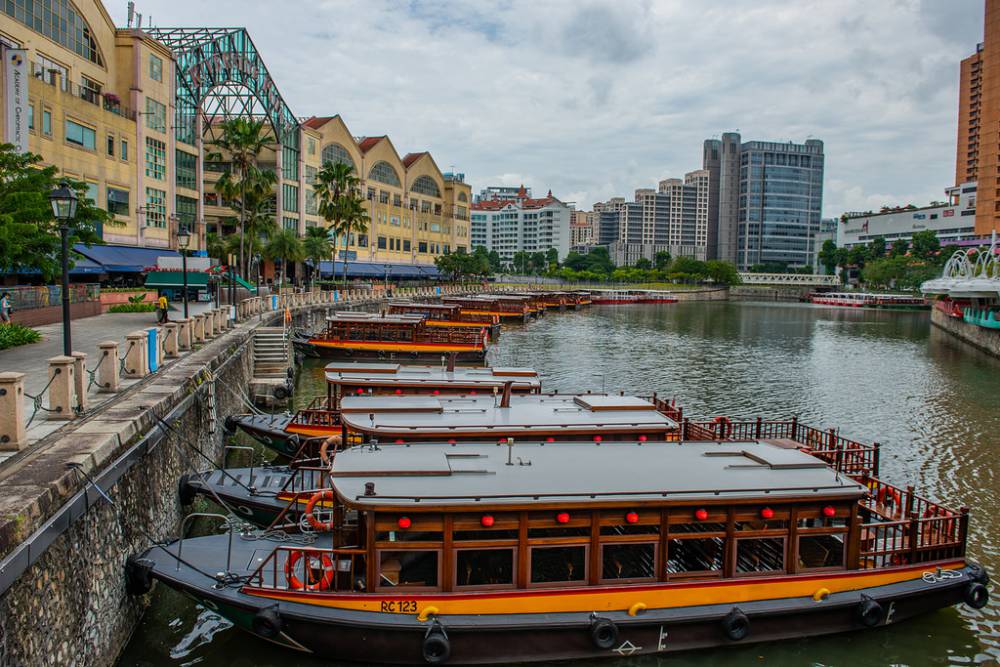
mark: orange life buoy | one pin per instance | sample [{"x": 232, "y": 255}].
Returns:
[
  {"x": 311, "y": 505},
  {"x": 312, "y": 583},
  {"x": 888, "y": 496}
]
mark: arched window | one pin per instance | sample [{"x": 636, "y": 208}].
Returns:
[
  {"x": 337, "y": 154},
  {"x": 58, "y": 20},
  {"x": 462, "y": 197},
  {"x": 426, "y": 185},
  {"x": 383, "y": 172}
]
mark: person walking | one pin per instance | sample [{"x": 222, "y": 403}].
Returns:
[
  {"x": 163, "y": 305},
  {"x": 5, "y": 308}
]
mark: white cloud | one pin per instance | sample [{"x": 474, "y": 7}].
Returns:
[{"x": 594, "y": 99}]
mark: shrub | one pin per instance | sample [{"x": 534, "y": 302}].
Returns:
[
  {"x": 12, "y": 335},
  {"x": 132, "y": 307}
]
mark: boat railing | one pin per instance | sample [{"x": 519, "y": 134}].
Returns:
[
  {"x": 302, "y": 568},
  {"x": 668, "y": 408},
  {"x": 905, "y": 528},
  {"x": 317, "y": 416}
]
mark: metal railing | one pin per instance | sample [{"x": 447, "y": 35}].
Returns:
[
  {"x": 310, "y": 568},
  {"x": 42, "y": 296}
]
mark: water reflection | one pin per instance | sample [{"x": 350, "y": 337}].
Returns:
[{"x": 887, "y": 377}]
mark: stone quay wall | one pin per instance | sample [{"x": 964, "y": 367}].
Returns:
[{"x": 986, "y": 340}]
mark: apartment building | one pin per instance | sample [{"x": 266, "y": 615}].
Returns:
[{"x": 525, "y": 224}]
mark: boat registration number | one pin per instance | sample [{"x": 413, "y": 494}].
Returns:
[{"x": 399, "y": 606}]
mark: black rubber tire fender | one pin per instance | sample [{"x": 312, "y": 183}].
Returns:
[
  {"x": 735, "y": 625},
  {"x": 267, "y": 623},
  {"x": 138, "y": 575},
  {"x": 436, "y": 648},
  {"x": 603, "y": 632},
  {"x": 281, "y": 392},
  {"x": 870, "y": 612},
  {"x": 976, "y": 595}
]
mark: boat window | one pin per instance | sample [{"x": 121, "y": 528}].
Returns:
[
  {"x": 484, "y": 567},
  {"x": 572, "y": 531},
  {"x": 408, "y": 569},
  {"x": 694, "y": 555},
  {"x": 706, "y": 527},
  {"x": 773, "y": 524},
  {"x": 409, "y": 536},
  {"x": 481, "y": 535},
  {"x": 630, "y": 529},
  {"x": 823, "y": 522},
  {"x": 760, "y": 554},
  {"x": 558, "y": 564},
  {"x": 628, "y": 561},
  {"x": 821, "y": 551}
]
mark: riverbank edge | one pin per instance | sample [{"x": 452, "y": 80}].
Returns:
[{"x": 981, "y": 338}]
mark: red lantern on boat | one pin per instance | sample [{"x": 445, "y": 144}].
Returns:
[
  {"x": 829, "y": 512},
  {"x": 436, "y": 392},
  {"x": 398, "y": 392},
  {"x": 452, "y": 441},
  {"x": 767, "y": 513},
  {"x": 701, "y": 514},
  {"x": 597, "y": 438},
  {"x": 643, "y": 438},
  {"x": 562, "y": 517},
  {"x": 404, "y": 522},
  {"x": 359, "y": 390},
  {"x": 632, "y": 517},
  {"x": 399, "y": 441},
  {"x": 550, "y": 439},
  {"x": 487, "y": 520}
]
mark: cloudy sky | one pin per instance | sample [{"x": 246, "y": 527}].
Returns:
[{"x": 595, "y": 98}]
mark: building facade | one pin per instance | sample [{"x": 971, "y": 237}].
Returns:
[
  {"x": 502, "y": 193},
  {"x": 721, "y": 159},
  {"x": 977, "y": 158},
  {"x": 953, "y": 222},
  {"x": 582, "y": 229},
  {"x": 525, "y": 224}
]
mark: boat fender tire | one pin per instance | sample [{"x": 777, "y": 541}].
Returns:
[
  {"x": 281, "y": 392},
  {"x": 603, "y": 632},
  {"x": 978, "y": 573},
  {"x": 436, "y": 648},
  {"x": 869, "y": 612},
  {"x": 185, "y": 492},
  {"x": 267, "y": 623},
  {"x": 229, "y": 425},
  {"x": 976, "y": 595},
  {"x": 138, "y": 575},
  {"x": 736, "y": 625}
]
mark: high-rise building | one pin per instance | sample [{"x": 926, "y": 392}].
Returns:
[
  {"x": 582, "y": 228},
  {"x": 770, "y": 200},
  {"x": 524, "y": 224},
  {"x": 977, "y": 156}
]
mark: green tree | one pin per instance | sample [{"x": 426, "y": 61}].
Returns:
[
  {"x": 643, "y": 263},
  {"x": 284, "y": 246},
  {"x": 340, "y": 204},
  {"x": 599, "y": 261},
  {"x": 899, "y": 248},
  {"x": 318, "y": 245},
  {"x": 857, "y": 255},
  {"x": 946, "y": 253},
  {"x": 552, "y": 256},
  {"x": 241, "y": 141},
  {"x": 538, "y": 262},
  {"x": 876, "y": 249},
  {"x": 925, "y": 244},
  {"x": 828, "y": 256},
  {"x": 495, "y": 263},
  {"x": 661, "y": 260},
  {"x": 575, "y": 261},
  {"x": 722, "y": 273},
  {"x": 29, "y": 234}
]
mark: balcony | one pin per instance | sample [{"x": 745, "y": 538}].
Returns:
[{"x": 107, "y": 101}]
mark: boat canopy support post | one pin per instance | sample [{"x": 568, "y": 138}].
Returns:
[{"x": 193, "y": 515}]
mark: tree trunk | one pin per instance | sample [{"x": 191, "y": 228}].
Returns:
[{"x": 242, "y": 218}]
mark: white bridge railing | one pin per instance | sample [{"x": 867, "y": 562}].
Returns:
[{"x": 790, "y": 279}]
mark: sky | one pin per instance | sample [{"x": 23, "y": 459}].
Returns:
[{"x": 593, "y": 99}]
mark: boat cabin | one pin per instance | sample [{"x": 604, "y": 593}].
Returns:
[
  {"x": 600, "y": 417},
  {"x": 491, "y": 305},
  {"x": 441, "y": 314},
  {"x": 372, "y": 334}
]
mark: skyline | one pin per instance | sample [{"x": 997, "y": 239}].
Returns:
[{"x": 594, "y": 101}]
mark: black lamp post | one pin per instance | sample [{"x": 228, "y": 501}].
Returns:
[
  {"x": 63, "y": 200},
  {"x": 183, "y": 241}
]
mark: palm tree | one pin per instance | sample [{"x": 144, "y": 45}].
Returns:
[
  {"x": 285, "y": 246},
  {"x": 335, "y": 188},
  {"x": 318, "y": 245},
  {"x": 242, "y": 140},
  {"x": 353, "y": 222}
]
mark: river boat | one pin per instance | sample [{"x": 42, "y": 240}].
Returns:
[
  {"x": 445, "y": 315},
  {"x": 869, "y": 300},
  {"x": 286, "y": 433},
  {"x": 633, "y": 296},
  {"x": 362, "y": 335},
  {"x": 527, "y": 552},
  {"x": 506, "y": 309}
]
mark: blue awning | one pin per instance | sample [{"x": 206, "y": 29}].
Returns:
[
  {"x": 378, "y": 271},
  {"x": 124, "y": 259},
  {"x": 84, "y": 266}
]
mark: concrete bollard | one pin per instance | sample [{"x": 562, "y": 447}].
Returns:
[
  {"x": 208, "y": 321},
  {"x": 198, "y": 329},
  {"x": 107, "y": 371},
  {"x": 135, "y": 355},
  {"x": 62, "y": 392},
  {"x": 13, "y": 435},
  {"x": 170, "y": 346},
  {"x": 219, "y": 322},
  {"x": 184, "y": 334},
  {"x": 81, "y": 379},
  {"x": 161, "y": 351}
]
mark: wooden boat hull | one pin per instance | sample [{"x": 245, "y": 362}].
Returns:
[
  {"x": 329, "y": 349},
  {"x": 279, "y": 432},
  {"x": 340, "y": 626}
]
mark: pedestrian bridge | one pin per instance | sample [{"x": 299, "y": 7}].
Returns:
[{"x": 789, "y": 279}]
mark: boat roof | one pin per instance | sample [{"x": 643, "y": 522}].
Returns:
[
  {"x": 424, "y": 416},
  {"x": 424, "y": 306},
  {"x": 479, "y": 475},
  {"x": 367, "y": 318},
  {"x": 380, "y": 374}
]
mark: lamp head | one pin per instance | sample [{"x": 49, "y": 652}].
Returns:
[{"x": 63, "y": 200}]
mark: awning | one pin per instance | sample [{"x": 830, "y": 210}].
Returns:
[
  {"x": 240, "y": 282},
  {"x": 123, "y": 259},
  {"x": 378, "y": 271},
  {"x": 84, "y": 266},
  {"x": 176, "y": 279}
]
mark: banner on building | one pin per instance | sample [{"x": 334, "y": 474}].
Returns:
[{"x": 16, "y": 94}]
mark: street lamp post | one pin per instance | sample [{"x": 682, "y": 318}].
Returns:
[
  {"x": 63, "y": 200},
  {"x": 183, "y": 241}
]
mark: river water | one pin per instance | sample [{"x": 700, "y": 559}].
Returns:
[{"x": 933, "y": 403}]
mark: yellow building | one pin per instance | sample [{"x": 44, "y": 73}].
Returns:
[{"x": 101, "y": 104}]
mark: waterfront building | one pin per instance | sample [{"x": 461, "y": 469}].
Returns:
[
  {"x": 770, "y": 197},
  {"x": 977, "y": 157},
  {"x": 524, "y": 224},
  {"x": 953, "y": 222},
  {"x": 582, "y": 229},
  {"x": 502, "y": 193}
]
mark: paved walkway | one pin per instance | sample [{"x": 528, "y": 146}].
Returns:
[{"x": 88, "y": 332}]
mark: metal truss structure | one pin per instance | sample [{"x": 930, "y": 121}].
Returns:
[
  {"x": 791, "y": 279},
  {"x": 969, "y": 273}
]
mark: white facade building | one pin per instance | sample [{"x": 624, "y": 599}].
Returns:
[
  {"x": 523, "y": 224},
  {"x": 503, "y": 193},
  {"x": 952, "y": 222}
]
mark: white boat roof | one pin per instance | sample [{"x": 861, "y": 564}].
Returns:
[
  {"x": 399, "y": 375},
  {"x": 365, "y": 317},
  {"x": 479, "y": 475},
  {"x": 399, "y": 416}
]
